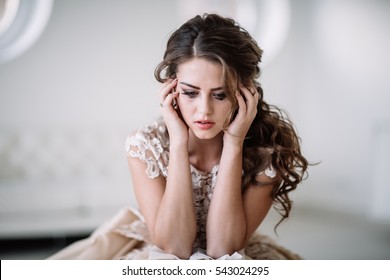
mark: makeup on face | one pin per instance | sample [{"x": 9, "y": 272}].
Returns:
[
  {"x": 202, "y": 100},
  {"x": 217, "y": 92}
]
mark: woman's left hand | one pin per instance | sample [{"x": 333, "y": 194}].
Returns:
[{"x": 247, "y": 110}]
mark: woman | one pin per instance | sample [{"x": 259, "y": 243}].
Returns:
[{"x": 207, "y": 173}]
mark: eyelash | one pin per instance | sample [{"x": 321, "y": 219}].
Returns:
[{"x": 192, "y": 94}]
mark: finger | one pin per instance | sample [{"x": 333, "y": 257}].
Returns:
[
  {"x": 248, "y": 96},
  {"x": 167, "y": 88},
  {"x": 248, "y": 92},
  {"x": 164, "y": 85},
  {"x": 255, "y": 96},
  {"x": 251, "y": 97},
  {"x": 167, "y": 102},
  {"x": 242, "y": 108}
]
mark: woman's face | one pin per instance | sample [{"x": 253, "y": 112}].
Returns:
[{"x": 202, "y": 101}]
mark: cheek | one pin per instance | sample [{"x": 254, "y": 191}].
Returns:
[
  {"x": 182, "y": 103},
  {"x": 227, "y": 110},
  {"x": 184, "y": 107},
  {"x": 226, "y": 115}
]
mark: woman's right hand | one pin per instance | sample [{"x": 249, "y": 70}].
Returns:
[{"x": 178, "y": 130}]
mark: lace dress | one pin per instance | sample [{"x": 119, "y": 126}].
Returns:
[{"x": 126, "y": 236}]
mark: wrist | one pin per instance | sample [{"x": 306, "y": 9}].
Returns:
[
  {"x": 233, "y": 144},
  {"x": 178, "y": 144},
  {"x": 232, "y": 139}
]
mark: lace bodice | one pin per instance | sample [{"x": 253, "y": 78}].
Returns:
[{"x": 151, "y": 145}]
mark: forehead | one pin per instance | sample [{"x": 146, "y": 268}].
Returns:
[{"x": 201, "y": 72}]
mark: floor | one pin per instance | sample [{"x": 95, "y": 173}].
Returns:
[
  {"x": 324, "y": 235},
  {"x": 313, "y": 234}
]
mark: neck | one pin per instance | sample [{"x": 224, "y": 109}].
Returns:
[{"x": 205, "y": 154}]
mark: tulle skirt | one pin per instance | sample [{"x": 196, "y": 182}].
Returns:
[{"x": 125, "y": 236}]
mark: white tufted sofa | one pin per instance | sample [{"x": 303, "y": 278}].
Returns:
[{"x": 57, "y": 182}]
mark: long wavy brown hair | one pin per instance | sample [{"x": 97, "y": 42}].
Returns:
[{"x": 271, "y": 139}]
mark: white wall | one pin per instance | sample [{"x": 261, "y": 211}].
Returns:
[
  {"x": 93, "y": 67},
  {"x": 334, "y": 74}
]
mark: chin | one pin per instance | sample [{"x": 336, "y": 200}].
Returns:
[{"x": 207, "y": 134}]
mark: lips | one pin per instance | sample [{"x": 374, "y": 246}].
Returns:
[{"x": 204, "y": 124}]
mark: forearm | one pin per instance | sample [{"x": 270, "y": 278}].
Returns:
[
  {"x": 175, "y": 226},
  {"x": 226, "y": 226}
]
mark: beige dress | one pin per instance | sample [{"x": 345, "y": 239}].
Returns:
[{"x": 126, "y": 236}]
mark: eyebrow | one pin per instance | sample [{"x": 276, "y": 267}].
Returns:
[{"x": 198, "y": 88}]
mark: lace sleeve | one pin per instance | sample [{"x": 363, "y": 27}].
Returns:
[{"x": 150, "y": 145}]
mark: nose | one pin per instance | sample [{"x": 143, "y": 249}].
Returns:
[{"x": 205, "y": 107}]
